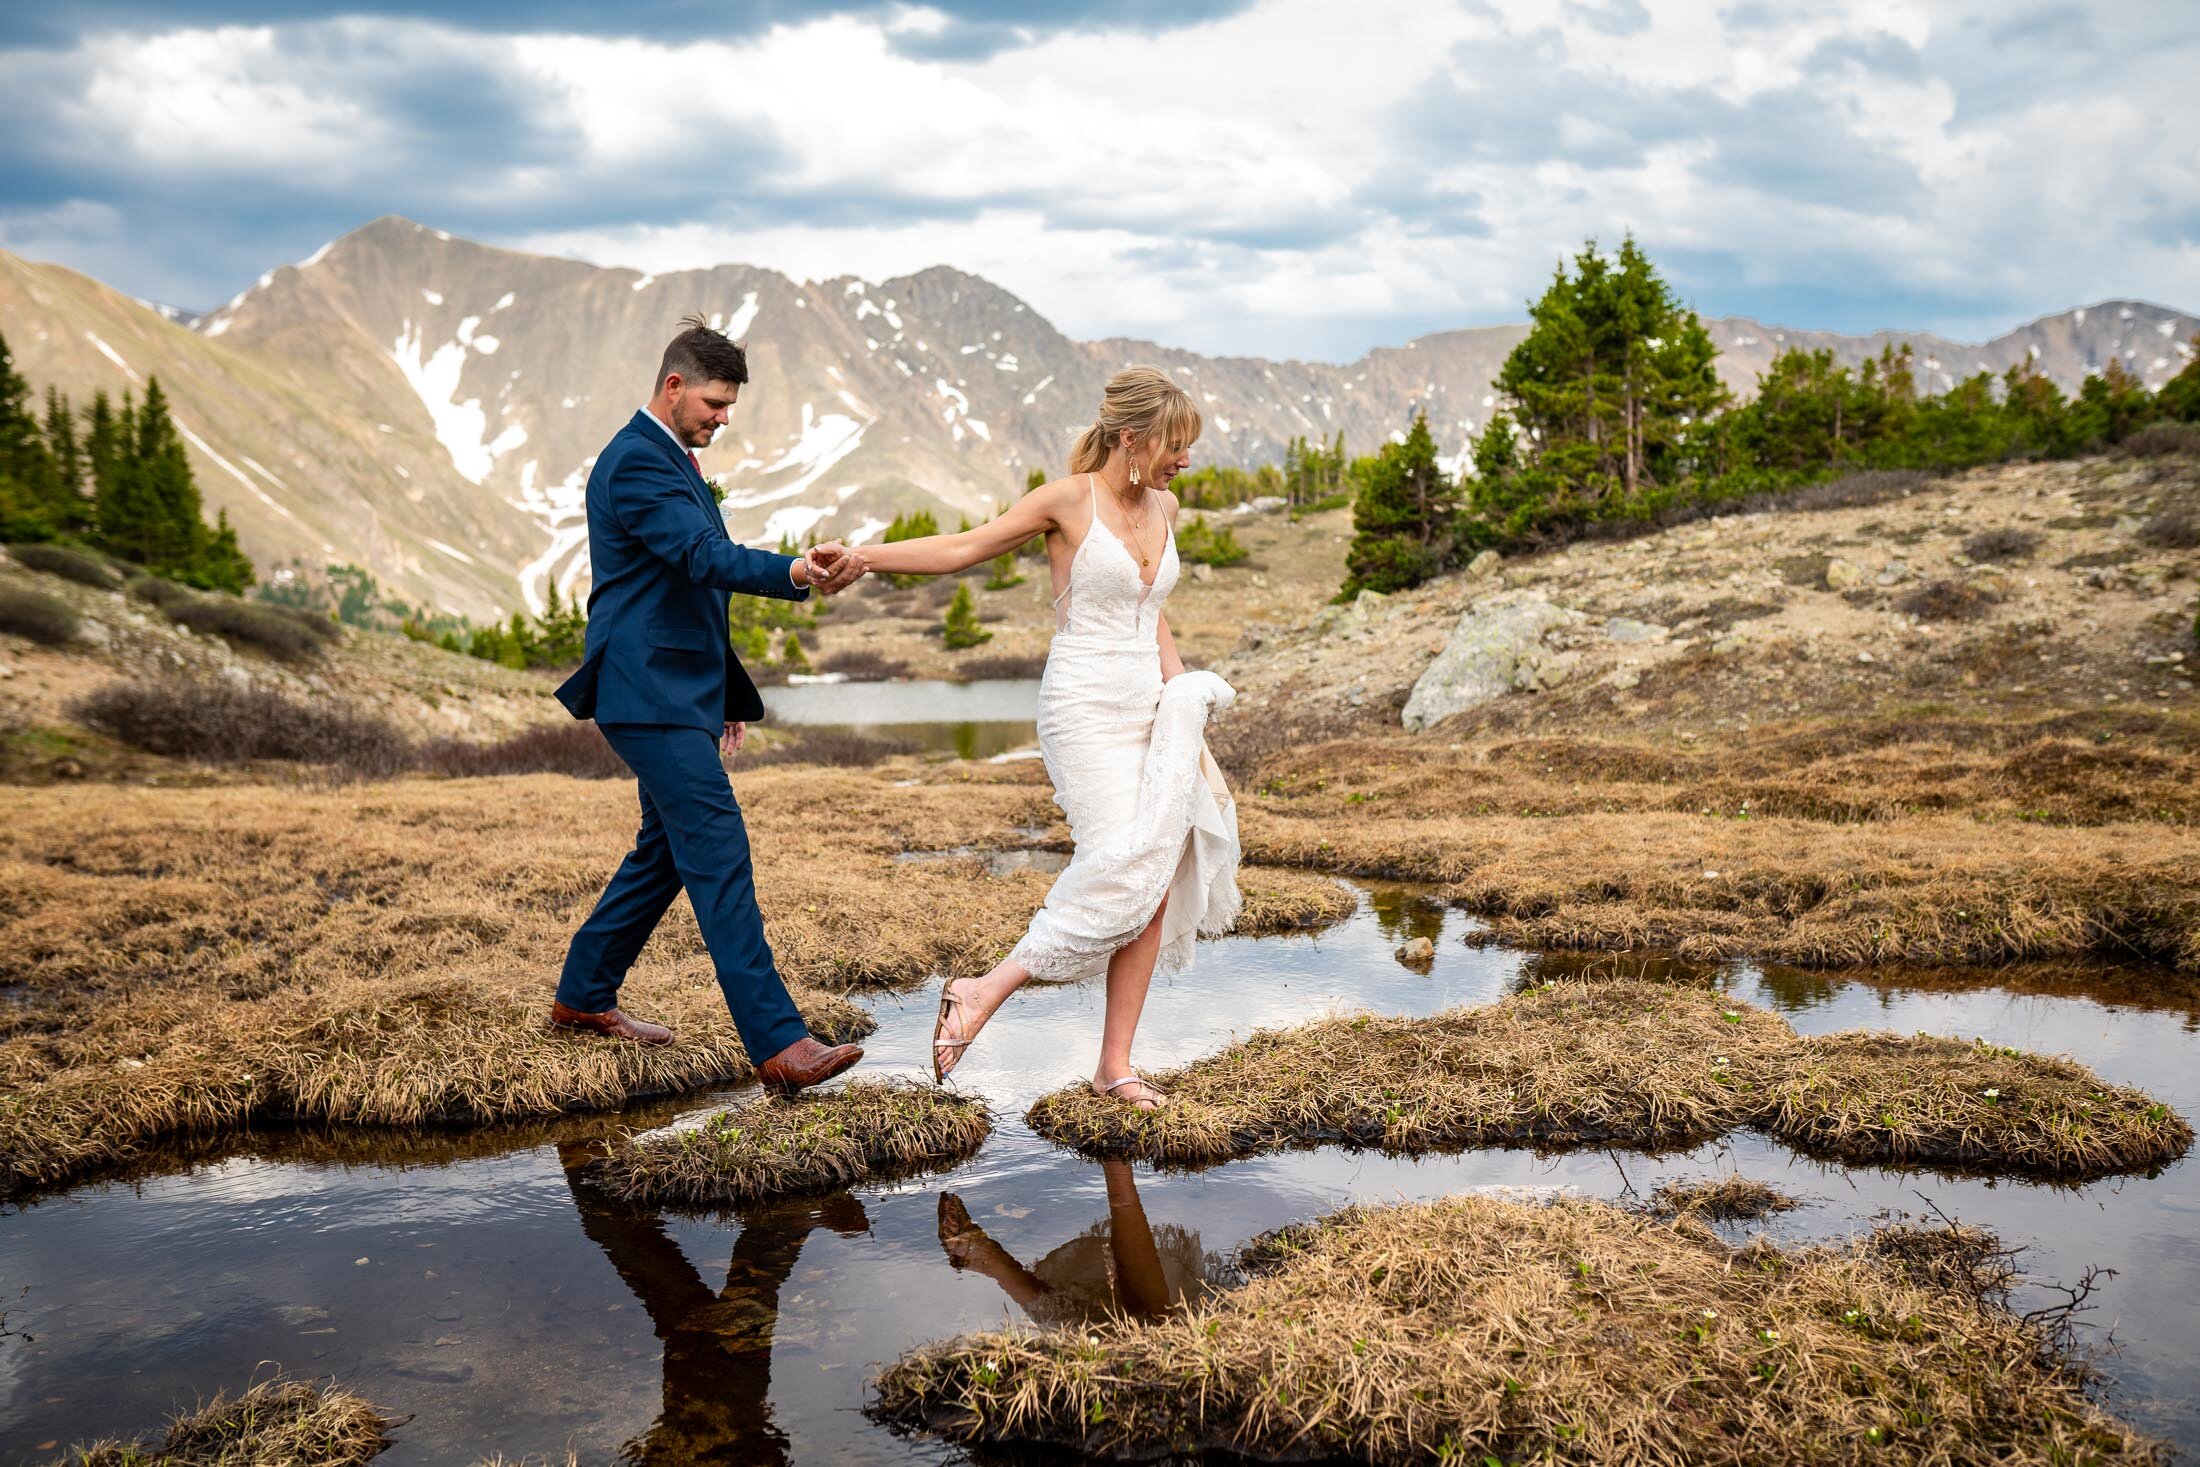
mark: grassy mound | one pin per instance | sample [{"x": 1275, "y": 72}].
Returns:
[
  {"x": 807, "y": 1143},
  {"x": 1921, "y": 1099},
  {"x": 1726, "y": 1199},
  {"x": 1474, "y": 1329},
  {"x": 1635, "y": 1063},
  {"x": 1278, "y": 899},
  {"x": 1628, "y": 1063},
  {"x": 294, "y": 1423},
  {"x": 427, "y": 1052}
]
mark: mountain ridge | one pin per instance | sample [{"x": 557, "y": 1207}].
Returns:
[{"x": 439, "y": 401}]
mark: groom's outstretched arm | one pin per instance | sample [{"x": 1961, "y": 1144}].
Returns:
[{"x": 654, "y": 505}]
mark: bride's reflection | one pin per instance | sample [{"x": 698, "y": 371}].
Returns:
[
  {"x": 717, "y": 1346},
  {"x": 1121, "y": 1266}
]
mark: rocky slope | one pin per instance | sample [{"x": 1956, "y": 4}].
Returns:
[
  {"x": 429, "y": 407},
  {"x": 2084, "y": 596}
]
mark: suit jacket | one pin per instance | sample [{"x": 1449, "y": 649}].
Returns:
[{"x": 662, "y": 563}]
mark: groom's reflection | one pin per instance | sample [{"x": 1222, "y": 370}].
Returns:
[
  {"x": 717, "y": 1346},
  {"x": 1121, "y": 1266}
]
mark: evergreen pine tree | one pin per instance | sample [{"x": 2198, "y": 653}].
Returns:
[
  {"x": 69, "y": 463},
  {"x": 2180, "y": 395},
  {"x": 1402, "y": 518},
  {"x": 961, "y": 628},
  {"x": 149, "y": 512},
  {"x": 29, "y": 483},
  {"x": 1036, "y": 547},
  {"x": 792, "y": 657},
  {"x": 1614, "y": 382},
  {"x": 219, "y": 564}
]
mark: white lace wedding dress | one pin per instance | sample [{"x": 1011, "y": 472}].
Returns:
[{"x": 1147, "y": 806}]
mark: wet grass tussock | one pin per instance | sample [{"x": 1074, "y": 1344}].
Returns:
[
  {"x": 1635, "y": 1063},
  {"x": 1279, "y": 899},
  {"x": 1731, "y": 1198},
  {"x": 1624, "y": 1063},
  {"x": 1473, "y": 1329},
  {"x": 1918, "y": 1099},
  {"x": 183, "y": 962},
  {"x": 1926, "y": 840},
  {"x": 813, "y": 1142},
  {"x": 277, "y": 1423}
]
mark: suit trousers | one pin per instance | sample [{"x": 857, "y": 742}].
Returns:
[{"x": 692, "y": 837}]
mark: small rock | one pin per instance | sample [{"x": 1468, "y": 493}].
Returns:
[
  {"x": 1417, "y": 952},
  {"x": 1626, "y": 629},
  {"x": 1893, "y": 573},
  {"x": 1260, "y": 582},
  {"x": 1201, "y": 571},
  {"x": 1492, "y": 650},
  {"x": 1863, "y": 657},
  {"x": 1842, "y": 574},
  {"x": 66, "y": 768},
  {"x": 1731, "y": 642},
  {"x": 96, "y": 633},
  {"x": 1483, "y": 565},
  {"x": 1625, "y": 678}
]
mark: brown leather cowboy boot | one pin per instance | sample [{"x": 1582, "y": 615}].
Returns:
[
  {"x": 804, "y": 1063},
  {"x": 610, "y": 1022}
]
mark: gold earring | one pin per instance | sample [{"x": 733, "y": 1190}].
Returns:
[{"x": 1134, "y": 468}]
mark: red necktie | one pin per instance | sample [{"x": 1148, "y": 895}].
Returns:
[{"x": 697, "y": 462}]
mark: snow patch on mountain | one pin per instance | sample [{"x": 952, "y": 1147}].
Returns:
[{"x": 460, "y": 426}]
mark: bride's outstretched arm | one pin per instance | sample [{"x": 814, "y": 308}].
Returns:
[
  {"x": 1171, "y": 664},
  {"x": 939, "y": 555}
]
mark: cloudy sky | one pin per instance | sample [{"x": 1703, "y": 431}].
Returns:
[{"x": 1282, "y": 177}]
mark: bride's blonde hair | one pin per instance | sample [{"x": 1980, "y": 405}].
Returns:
[{"x": 1144, "y": 400}]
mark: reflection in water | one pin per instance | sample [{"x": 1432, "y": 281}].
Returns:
[
  {"x": 1116, "y": 1267},
  {"x": 1404, "y": 912},
  {"x": 1650, "y": 967},
  {"x": 717, "y": 1346}
]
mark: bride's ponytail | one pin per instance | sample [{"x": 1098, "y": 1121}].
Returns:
[
  {"x": 1144, "y": 400},
  {"x": 1090, "y": 452}
]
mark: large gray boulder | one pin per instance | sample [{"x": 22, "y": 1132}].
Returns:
[{"x": 1495, "y": 649}]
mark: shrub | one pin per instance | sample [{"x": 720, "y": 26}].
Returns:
[
  {"x": 576, "y": 749},
  {"x": 323, "y": 627},
  {"x": 2159, "y": 440},
  {"x": 960, "y": 627},
  {"x": 863, "y": 665},
  {"x": 222, "y": 723},
  {"x": 265, "y": 628},
  {"x": 1006, "y": 665},
  {"x": 844, "y": 747},
  {"x": 36, "y": 615},
  {"x": 1197, "y": 543},
  {"x": 161, "y": 592},
  {"x": 1944, "y": 601},
  {"x": 2175, "y": 528},
  {"x": 71, "y": 565},
  {"x": 1999, "y": 546}
]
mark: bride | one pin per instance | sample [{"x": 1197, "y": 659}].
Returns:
[{"x": 1121, "y": 728}]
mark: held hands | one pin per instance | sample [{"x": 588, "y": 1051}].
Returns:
[{"x": 833, "y": 567}]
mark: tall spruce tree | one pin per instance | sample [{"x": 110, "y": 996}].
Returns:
[
  {"x": 1402, "y": 519},
  {"x": 1614, "y": 381},
  {"x": 2180, "y": 395},
  {"x": 149, "y": 506},
  {"x": 29, "y": 483},
  {"x": 68, "y": 462}
]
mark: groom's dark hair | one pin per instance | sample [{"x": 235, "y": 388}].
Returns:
[{"x": 700, "y": 354}]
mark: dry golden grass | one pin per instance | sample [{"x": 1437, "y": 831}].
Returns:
[
  {"x": 188, "y": 961},
  {"x": 1279, "y": 899},
  {"x": 1472, "y": 1328},
  {"x": 1941, "y": 889},
  {"x": 1629, "y": 1062},
  {"x": 277, "y": 1423},
  {"x": 809, "y": 1143},
  {"x": 1730, "y": 1198},
  {"x": 1637, "y": 1064},
  {"x": 1913, "y": 1099}
]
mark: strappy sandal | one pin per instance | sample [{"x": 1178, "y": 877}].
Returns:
[
  {"x": 1154, "y": 1098},
  {"x": 948, "y": 999}
]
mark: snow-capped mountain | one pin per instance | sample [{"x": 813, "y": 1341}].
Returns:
[{"x": 429, "y": 407}]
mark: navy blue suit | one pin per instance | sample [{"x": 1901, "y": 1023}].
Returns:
[{"x": 661, "y": 681}]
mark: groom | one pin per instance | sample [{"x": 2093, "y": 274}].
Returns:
[{"x": 662, "y": 683}]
